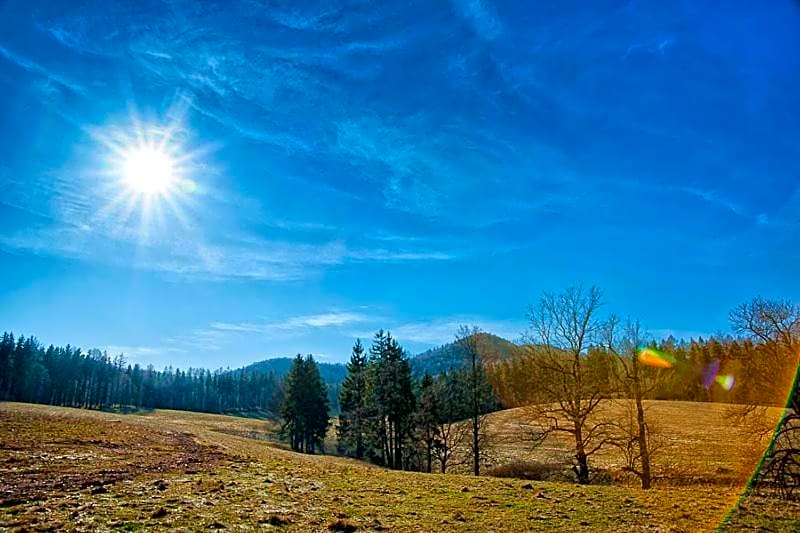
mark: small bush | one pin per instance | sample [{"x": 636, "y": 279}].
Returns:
[
  {"x": 342, "y": 525},
  {"x": 532, "y": 470}
]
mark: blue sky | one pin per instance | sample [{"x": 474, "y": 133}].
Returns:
[{"x": 405, "y": 165}]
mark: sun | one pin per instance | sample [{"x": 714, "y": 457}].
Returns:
[{"x": 149, "y": 170}]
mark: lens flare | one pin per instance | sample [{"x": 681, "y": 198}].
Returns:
[
  {"x": 710, "y": 373},
  {"x": 656, "y": 358},
  {"x": 726, "y": 381},
  {"x": 711, "y": 376}
]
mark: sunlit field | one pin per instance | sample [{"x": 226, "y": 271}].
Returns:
[
  {"x": 695, "y": 444},
  {"x": 451, "y": 265},
  {"x": 74, "y": 469}
]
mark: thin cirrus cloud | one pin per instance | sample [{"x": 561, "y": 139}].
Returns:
[
  {"x": 294, "y": 325},
  {"x": 433, "y": 161},
  {"x": 142, "y": 353},
  {"x": 41, "y": 71},
  {"x": 417, "y": 176},
  {"x": 480, "y": 15},
  {"x": 278, "y": 261},
  {"x": 443, "y": 330}
]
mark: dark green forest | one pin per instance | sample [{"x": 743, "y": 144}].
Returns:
[
  {"x": 433, "y": 418},
  {"x": 69, "y": 376}
]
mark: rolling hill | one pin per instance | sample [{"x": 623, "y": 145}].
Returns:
[
  {"x": 73, "y": 469},
  {"x": 434, "y": 361}
]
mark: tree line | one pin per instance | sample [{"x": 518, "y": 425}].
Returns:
[
  {"x": 728, "y": 355},
  {"x": 68, "y": 376},
  {"x": 572, "y": 361},
  {"x": 575, "y": 359},
  {"x": 390, "y": 418}
]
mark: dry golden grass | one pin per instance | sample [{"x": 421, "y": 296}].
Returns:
[
  {"x": 698, "y": 442},
  {"x": 185, "y": 471}
]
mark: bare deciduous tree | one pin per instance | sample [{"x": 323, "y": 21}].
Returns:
[
  {"x": 563, "y": 326},
  {"x": 776, "y": 324},
  {"x": 636, "y": 382},
  {"x": 450, "y": 437},
  {"x": 479, "y": 391}
]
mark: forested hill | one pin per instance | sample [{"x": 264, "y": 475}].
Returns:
[
  {"x": 449, "y": 356},
  {"x": 333, "y": 375},
  {"x": 330, "y": 372},
  {"x": 433, "y": 361},
  {"x": 69, "y": 376}
]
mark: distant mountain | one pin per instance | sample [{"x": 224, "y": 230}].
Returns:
[
  {"x": 333, "y": 374},
  {"x": 451, "y": 356},
  {"x": 330, "y": 372},
  {"x": 434, "y": 361}
]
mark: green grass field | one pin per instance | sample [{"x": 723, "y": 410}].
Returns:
[{"x": 70, "y": 469}]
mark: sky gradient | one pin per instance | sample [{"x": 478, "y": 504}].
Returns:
[{"x": 408, "y": 166}]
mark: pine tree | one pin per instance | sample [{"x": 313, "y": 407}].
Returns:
[
  {"x": 305, "y": 406},
  {"x": 352, "y": 399},
  {"x": 6, "y": 356},
  {"x": 427, "y": 417},
  {"x": 390, "y": 399}
]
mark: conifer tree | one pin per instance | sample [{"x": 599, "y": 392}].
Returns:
[
  {"x": 427, "y": 417},
  {"x": 6, "y": 354},
  {"x": 352, "y": 399},
  {"x": 305, "y": 406},
  {"x": 390, "y": 399}
]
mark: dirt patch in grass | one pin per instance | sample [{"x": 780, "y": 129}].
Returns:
[
  {"x": 42, "y": 453},
  {"x": 67, "y": 469}
]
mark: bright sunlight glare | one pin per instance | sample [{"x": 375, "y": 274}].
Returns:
[
  {"x": 148, "y": 170},
  {"x": 149, "y": 173}
]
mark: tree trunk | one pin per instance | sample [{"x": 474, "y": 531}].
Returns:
[
  {"x": 359, "y": 436},
  {"x": 643, "y": 448},
  {"x": 476, "y": 451},
  {"x": 582, "y": 468},
  {"x": 429, "y": 457},
  {"x": 476, "y": 455}
]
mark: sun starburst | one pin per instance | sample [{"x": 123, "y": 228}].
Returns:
[{"x": 150, "y": 174}]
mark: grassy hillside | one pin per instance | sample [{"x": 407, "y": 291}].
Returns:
[
  {"x": 167, "y": 470},
  {"x": 697, "y": 443}
]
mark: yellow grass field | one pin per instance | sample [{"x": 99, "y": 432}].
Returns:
[
  {"x": 697, "y": 442},
  {"x": 70, "y": 469}
]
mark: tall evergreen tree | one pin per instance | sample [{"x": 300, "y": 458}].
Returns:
[
  {"x": 352, "y": 402},
  {"x": 427, "y": 417},
  {"x": 305, "y": 406},
  {"x": 6, "y": 357},
  {"x": 390, "y": 397}
]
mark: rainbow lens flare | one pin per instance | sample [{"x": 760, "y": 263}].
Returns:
[
  {"x": 725, "y": 381},
  {"x": 711, "y": 375},
  {"x": 655, "y": 358}
]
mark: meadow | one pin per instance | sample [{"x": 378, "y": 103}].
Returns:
[{"x": 72, "y": 469}]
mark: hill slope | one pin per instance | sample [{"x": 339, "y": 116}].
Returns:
[
  {"x": 450, "y": 356},
  {"x": 433, "y": 361},
  {"x": 68, "y": 468}
]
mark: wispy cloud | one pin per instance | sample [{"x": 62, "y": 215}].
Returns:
[
  {"x": 294, "y": 325},
  {"x": 714, "y": 198},
  {"x": 442, "y": 330},
  {"x": 35, "y": 68},
  {"x": 138, "y": 353}
]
